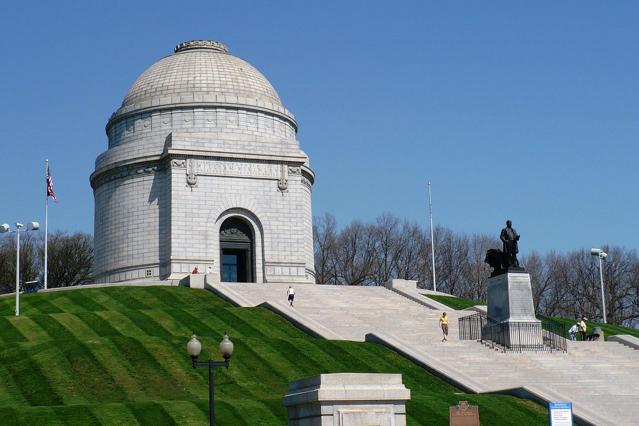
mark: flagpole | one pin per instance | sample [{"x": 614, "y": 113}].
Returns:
[
  {"x": 432, "y": 239},
  {"x": 46, "y": 221}
]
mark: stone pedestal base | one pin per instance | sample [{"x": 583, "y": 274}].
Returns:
[
  {"x": 347, "y": 399},
  {"x": 510, "y": 298},
  {"x": 511, "y": 312}
]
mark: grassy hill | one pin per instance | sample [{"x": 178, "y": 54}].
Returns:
[
  {"x": 454, "y": 302},
  {"x": 117, "y": 355}
]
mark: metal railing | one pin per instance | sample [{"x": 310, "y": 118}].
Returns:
[{"x": 517, "y": 336}]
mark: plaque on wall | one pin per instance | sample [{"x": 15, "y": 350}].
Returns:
[{"x": 464, "y": 414}]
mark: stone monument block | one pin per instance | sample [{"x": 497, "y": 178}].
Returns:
[
  {"x": 347, "y": 399},
  {"x": 196, "y": 280},
  {"x": 511, "y": 312},
  {"x": 510, "y": 298}
]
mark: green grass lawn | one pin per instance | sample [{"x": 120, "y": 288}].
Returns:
[
  {"x": 454, "y": 302},
  {"x": 118, "y": 356}
]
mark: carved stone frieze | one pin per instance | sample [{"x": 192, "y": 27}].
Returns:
[
  {"x": 282, "y": 183},
  {"x": 191, "y": 177},
  {"x": 295, "y": 170},
  {"x": 178, "y": 163},
  {"x": 124, "y": 172},
  {"x": 234, "y": 168}
]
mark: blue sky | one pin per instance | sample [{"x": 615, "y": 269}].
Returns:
[{"x": 526, "y": 110}]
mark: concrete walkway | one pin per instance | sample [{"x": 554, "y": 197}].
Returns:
[{"x": 601, "y": 379}]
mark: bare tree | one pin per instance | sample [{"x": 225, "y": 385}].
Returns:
[
  {"x": 563, "y": 284},
  {"x": 325, "y": 235},
  {"x": 70, "y": 259}
]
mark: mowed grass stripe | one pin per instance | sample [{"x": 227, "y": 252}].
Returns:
[
  {"x": 101, "y": 296},
  {"x": 118, "y": 367},
  {"x": 54, "y": 329},
  {"x": 151, "y": 413},
  {"x": 74, "y": 301},
  {"x": 58, "y": 371},
  {"x": 114, "y": 414},
  {"x": 145, "y": 323},
  {"x": 29, "y": 329},
  {"x": 122, "y": 323},
  {"x": 172, "y": 355},
  {"x": 149, "y": 373},
  {"x": 29, "y": 379},
  {"x": 76, "y": 415},
  {"x": 9, "y": 333},
  {"x": 169, "y": 323},
  {"x": 33, "y": 304},
  {"x": 97, "y": 324},
  {"x": 126, "y": 297},
  {"x": 188, "y": 413},
  {"x": 76, "y": 326},
  {"x": 298, "y": 362},
  {"x": 183, "y": 296},
  {"x": 91, "y": 376},
  {"x": 197, "y": 326},
  {"x": 9, "y": 392}
]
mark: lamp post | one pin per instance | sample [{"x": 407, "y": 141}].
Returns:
[
  {"x": 602, "y": 255},
  {"x": 194, "y": 347},
  {"x": 31, "y": 226}
]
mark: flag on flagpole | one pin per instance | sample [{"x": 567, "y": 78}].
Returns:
[{"x": 50, "y": 192}]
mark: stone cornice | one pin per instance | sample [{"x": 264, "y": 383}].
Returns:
[{"x": 150, "y": 164}]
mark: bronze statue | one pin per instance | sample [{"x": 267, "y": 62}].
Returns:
[
  {"x": 509, "y": 238},
  {"x": 506, "y": 260}
]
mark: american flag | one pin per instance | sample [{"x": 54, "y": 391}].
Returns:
[{"x": 50, "y": 192}]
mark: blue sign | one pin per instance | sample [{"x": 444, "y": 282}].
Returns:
[{"x": 560, "y": 413}]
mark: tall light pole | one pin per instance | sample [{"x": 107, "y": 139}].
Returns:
[
  {"x": 432, "y": 238},
  {"x": 194, "y": 347},
  {"x": 601, "y": 255},
  {"x": 31, "y": 226}
]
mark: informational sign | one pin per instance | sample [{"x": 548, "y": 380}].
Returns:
[
  {"x": 464, "y": 414},
  {"x": 560, "y": 413}
]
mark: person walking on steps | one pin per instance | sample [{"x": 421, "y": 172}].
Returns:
[
  {"x": 443, "y": 323},
  {"x": 583, "y": 328},
  {"x": 291, "y": 295}
]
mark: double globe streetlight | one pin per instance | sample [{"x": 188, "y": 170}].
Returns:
[
  {"x": 194, "y": 347},
  {"x": 31, "y": 226},
  {"x": 602, "y": 255}
]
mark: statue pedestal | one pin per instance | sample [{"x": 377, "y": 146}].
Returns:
[{"x": 511, "y": 312}]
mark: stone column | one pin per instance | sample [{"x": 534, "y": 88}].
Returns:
[{"x": 347, "y": 399}]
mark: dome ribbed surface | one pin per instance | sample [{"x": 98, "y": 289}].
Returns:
[{"x": 200, "y": 71}]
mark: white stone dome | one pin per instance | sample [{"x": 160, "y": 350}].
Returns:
[{"x": 201, "y": 72}]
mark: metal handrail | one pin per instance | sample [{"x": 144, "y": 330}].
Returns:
[{"x": 517, "y": 336}]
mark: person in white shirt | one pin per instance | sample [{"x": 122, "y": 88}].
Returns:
[
  {"x": 572, "y": 331},
  {"x": 291, "y": 295},
  {"x": 209, "y": 270}
]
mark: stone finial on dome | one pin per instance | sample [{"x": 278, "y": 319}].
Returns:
[{"x": 201, "y": 44}]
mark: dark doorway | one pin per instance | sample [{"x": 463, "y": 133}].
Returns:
[{"x": 236, "y": 251}]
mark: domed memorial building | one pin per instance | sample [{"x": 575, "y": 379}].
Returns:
[{"x": 203, "y": 169}]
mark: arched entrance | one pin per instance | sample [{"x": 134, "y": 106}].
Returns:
[{"x": 237, "y": 251}]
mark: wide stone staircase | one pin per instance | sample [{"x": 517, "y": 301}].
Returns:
[{"x": 601, "y": 379}]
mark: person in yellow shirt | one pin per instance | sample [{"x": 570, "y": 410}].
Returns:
[
  {"x": 583, "y": 327},
  {"x": 443, "y": 323}
]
